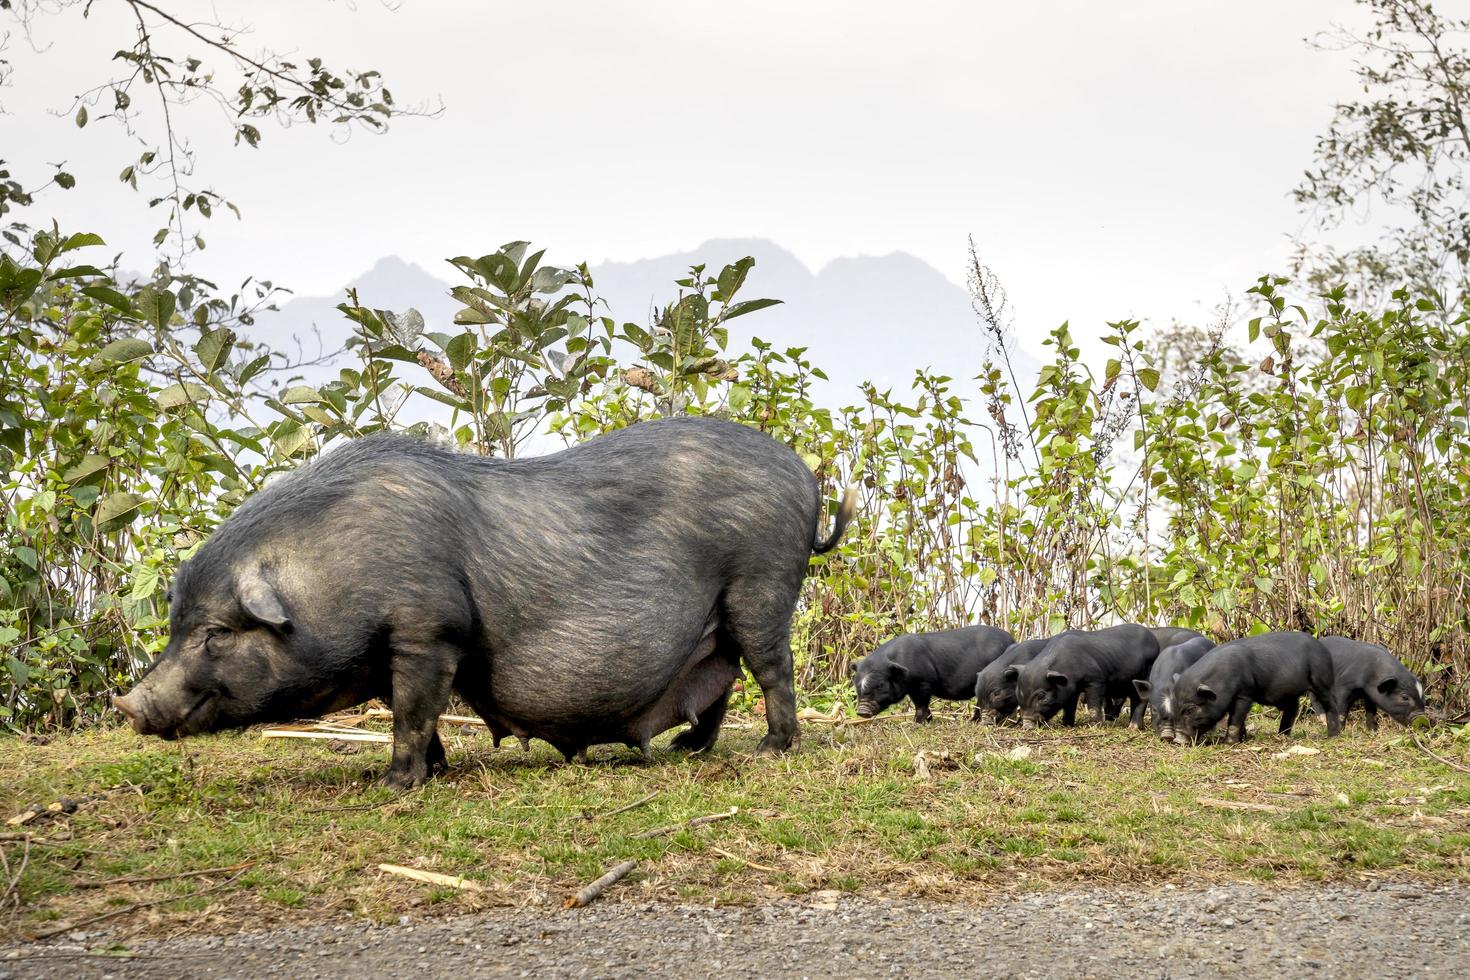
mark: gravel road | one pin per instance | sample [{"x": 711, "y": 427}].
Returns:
[{"x": 1394, "y": 930}]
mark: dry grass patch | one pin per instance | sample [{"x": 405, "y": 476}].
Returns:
[{"x": 986, "y": 811}]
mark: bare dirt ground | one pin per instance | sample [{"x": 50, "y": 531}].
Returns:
[{"x": 1391, "y": 930}]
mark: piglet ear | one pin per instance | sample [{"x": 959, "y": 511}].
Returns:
[
  {"x": 898, "y": 671},
  {"x": 1012, "y": 672},
  {"x": 260, "y": 600},
  {"x": 1142, "y": 687},
  {"x": 1388, "y": 685},
  {"x": 1206, "y": 693},
  {"x": 852, "y": 669}
]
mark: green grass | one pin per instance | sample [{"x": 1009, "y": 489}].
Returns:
[{"x": 846, "y": 812}]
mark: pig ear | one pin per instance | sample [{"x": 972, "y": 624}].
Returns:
[
  {"x": 1012, "y": 673},
  {"x": 261, "y": 602},
  {"x": 852, "y": 669},
  {"x": 1388, "y": 685},
  {"x": 1056, "y": 678},
  {"x": 1206, "y": 693},
  {"x": 898, "y": 671},
  {"x": 1142, "y": 687}
]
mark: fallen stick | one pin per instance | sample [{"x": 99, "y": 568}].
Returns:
[
  {"x": 688, "y": 824},
  {"x": 1239, "y": 805},
  {"x": 745, "y": 861},
  {"x": 624, "y": 808},
  {"x": 106, "y": 883},
  {"x": 589, "y": 894},
  {"x": 433, "y": 878},
  {"x": 328, "y": 736},
  {"x": 136, "y": 907},
  {"x": 451, "y": 719},
  {"x": 51, "y": 809},
  {"x": 1435, "y": 756}
]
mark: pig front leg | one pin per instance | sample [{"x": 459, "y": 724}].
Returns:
[
  {"x": 1135, "y": 716},
  {"x": 1097, "y": 706},
  {"x": 1238, "y": 712},
  {"x": 422, "y": 678},
  {"x": 921, "y": 707},
  {"x": 1371, "y": 711}
]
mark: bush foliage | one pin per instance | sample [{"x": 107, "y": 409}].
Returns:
[{"x": 1315, "y": 478}]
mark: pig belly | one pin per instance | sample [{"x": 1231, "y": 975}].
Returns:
[{"x": 626, "y": 697}]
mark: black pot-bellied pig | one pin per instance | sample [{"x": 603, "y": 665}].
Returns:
[
  {"x": 1169, "y": 636},
  {"x": 1093, "y": 667},
  {"x": 601, "y": 594},
  {"x": 922, "y": 666},
  {"x": 995, "y": 687},
  {"x": 1271, "y": 668},
  {"x": 1158, "y": 690},
  {"x": 1368, "y": 673}
]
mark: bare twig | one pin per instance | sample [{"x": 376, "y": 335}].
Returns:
[
  {"x": 108, "y": 882},
  {"x": 624, "y": 808},
  {"x": 745, "y": 861},
  {"x": 135, "y": 907},
  {"x": 1238, "y": 805},
  {"x": 1435, "y": 756},
  {"x": 12, "y": 882},
  {"x": 589, "y": 894},
  {"x": 688, "y": 824}
]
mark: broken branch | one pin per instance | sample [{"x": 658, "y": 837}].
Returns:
[
  {"x": 433, "y": 878},
  {"x": 688, "y": 824},
  {"x": 590, "y": 894},
  {"x": 106, "y": 883},
  {"x": 624, "y": 808}
]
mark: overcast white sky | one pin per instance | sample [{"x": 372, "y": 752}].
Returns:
[{"x": 1111, "y": 159}]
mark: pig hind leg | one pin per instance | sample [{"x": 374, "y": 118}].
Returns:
[
  {"x": 757, "y": 616},
  {"x": 1289, "y": 711}
]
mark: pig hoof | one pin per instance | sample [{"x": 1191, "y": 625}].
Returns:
[
  {"x": 772, "y": 746},
  {"x": 688, "y": 741},
  {"x": 402, "y": 781}
]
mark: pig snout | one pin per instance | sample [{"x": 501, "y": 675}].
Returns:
[
  {"x": 866, "y": 709},
  {"x": 1166, "y": 733},
  {"x": 990, "y": 717},
  {"x": 1028, "y": 721},
  {"x": 132, "y": 710}
]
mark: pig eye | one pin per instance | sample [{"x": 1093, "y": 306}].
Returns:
[{"x": 216, "y": 638}]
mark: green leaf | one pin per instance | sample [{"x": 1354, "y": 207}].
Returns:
[
  {"x": 82, "y": 239},
  {"x": 182, "y": 393},
  {"x": 288, "y": 437},
  {"x": 111, "y": 297},
  {"x": 213, "y": 348},
  {"x": 27, "y": 556},
  {"x": 301, "y": 395},
  {"x": 145, "y": 584},
  {"x": 157, "y": 305},
  {"x": 81, "y": 117},
  {"x": 459, "y": 350},
  {"x": 1149, "y": 378},
  {"x": 116, "y": 510},
  {"x": 253, "y": 368},
  {"x": 90, "y": 465},
  {"x": 749, "y": 306},
  {"x": 124, "y": 349}
]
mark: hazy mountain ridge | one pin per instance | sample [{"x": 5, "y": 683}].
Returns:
[{"x": 875, "y": 318}]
